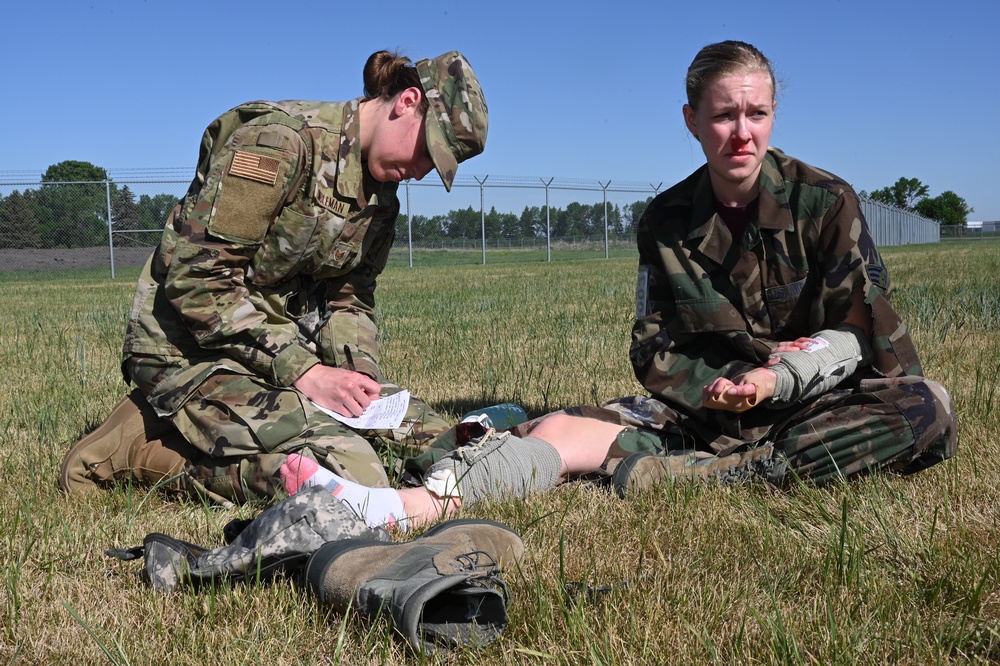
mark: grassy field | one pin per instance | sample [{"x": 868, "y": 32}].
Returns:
[{"x": 883, "y": 570}]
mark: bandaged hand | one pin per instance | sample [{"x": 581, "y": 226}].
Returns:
[
  {"x": 799, "y": 344},
  {"x": 809, "y": 367}
]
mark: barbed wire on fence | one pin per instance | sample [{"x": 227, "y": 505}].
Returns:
[{"x": 130, "y": 207}]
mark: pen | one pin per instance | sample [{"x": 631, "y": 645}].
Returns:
[{"x": 350, "y": 358}]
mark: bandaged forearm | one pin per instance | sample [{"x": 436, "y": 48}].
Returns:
[{"x": 808, "y": 373}]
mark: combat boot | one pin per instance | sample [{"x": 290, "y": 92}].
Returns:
[
  {"x": 132, "y": 444},
  {"x": 644, "y": 470},
  {"x": 440, "y": 590}
]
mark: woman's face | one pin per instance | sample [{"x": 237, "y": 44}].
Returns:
[
  {"x": 398, "y": 147},
  {"x": 733, "y": 123}
]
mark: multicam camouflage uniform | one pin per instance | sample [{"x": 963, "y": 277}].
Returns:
[
  {"x": 266, "y": 268},
  {"x": 710, "y": 306}
]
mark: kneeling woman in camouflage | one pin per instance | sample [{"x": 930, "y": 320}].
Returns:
[
  {"x": 763, "y": 329},
  {"x": 763, "y": 332},
  {"x": 259, "y": 300}
]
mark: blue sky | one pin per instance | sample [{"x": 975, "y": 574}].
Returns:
[{"x": 872, "y": 91}]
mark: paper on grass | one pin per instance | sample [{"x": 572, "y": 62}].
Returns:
[{"x": 383, "y": 414}]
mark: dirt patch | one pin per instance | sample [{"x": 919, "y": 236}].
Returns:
[{"x": 72, "y": 258}]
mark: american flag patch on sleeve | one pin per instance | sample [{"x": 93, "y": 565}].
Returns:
[{"x": 255, "y": 167}]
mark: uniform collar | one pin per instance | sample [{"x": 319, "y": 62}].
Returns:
[
  {"x": 773, "y": 211},
  {"x": 353, "y": 178},
  {"x": 350, "y": 170}
]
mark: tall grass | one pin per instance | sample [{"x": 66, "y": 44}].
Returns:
[{"x": 881, "y": 570}]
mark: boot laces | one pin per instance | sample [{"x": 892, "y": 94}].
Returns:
[
  {"x": 486, "y": 571},
  {"x": 471, "y": 452},
  {"x": 477, "y": 561}
]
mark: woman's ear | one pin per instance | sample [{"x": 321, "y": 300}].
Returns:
[
  {"x": 689, "y": 118},
  {"x": 408, "y": 101}
]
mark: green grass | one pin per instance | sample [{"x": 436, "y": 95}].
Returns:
[{"x": 882, "y": 570}]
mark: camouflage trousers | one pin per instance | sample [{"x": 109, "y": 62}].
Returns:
[
  {"x": 903, "y": 424},
  {"x": 242, "y": 429}
]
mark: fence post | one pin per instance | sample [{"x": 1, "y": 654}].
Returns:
[
  {"x": 604, "y": 188},
  {"x": 111, "y": 233},
  {"x": 548, "y": 227},
  {"x": 482, "y": 212}
]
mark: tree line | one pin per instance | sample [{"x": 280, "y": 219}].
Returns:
[
  {"x": 70, "y": 209},
  {"x": 73, "y": 210},
  {"x": 911, "y": 194},
  {"x": 576, "y": 220}
]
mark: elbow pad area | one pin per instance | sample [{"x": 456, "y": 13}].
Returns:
[{"x": 806, "y": 374}]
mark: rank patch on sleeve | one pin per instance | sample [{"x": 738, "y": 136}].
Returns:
[
  {"x": 642, "y": 293},
  {"x": 878, "y": 275},
  {"x": 255, "y": 167}
]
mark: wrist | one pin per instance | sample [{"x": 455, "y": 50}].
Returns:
[
  {"x": 291, "y": 363},
  {"x": 784, "y": 383}
]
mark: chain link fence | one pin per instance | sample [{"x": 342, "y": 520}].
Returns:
[
  {"x": 971, "y": 231},
  {"x": 110, "y": 227}
]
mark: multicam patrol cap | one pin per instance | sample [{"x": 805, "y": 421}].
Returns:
[{"x": 457, "y": 118}]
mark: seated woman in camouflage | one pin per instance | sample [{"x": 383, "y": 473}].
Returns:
[
  {"x": 763, "y": 330},
  {"x": 259, "y": 300}
]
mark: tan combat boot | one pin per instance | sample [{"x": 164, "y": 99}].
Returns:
[
  {"x": 132, "y": 444},
  {"x": 440, "y": 590},
  {"x": 644, "y": 470}
]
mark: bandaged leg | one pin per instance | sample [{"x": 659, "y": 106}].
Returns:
[
  {"x": 377, "y": 507},
  {"x": 499, "y": 465}
]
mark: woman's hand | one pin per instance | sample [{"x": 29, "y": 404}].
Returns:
[
  {"x": 344, "y": 391},
  {"x": 741, "y": 393},
  {"x": 798, "y": 344}
]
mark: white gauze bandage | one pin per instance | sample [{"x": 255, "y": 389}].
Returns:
[{"x": 833, "y": 356}]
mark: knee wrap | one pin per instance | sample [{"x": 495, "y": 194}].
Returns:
[{"x": 499, "y": 465}]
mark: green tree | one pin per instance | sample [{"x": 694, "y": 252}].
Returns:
[
  {"x": 125, "y": 217},
  {"x": 905, "y": 193},
  {"x": 632, "y": 213},
  {"x": 463, "y": 223},
  {"x": 501, "y": 225},
  {"x": 72, "y": 206},
  {"x": 18, "y": 224},
  {"x": 124, "y": 211},
  {"x": 154, "y": 210},
  {"x": 946, "y": 208},
  {"x": 74, "y": 171},
  {"x": 616, "y": 223},
  {"x": 531, "y": 222},
  {"x": 574, "y": 220}
]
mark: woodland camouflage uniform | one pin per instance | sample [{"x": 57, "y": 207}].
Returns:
[{"x": 710, "y": 306}]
